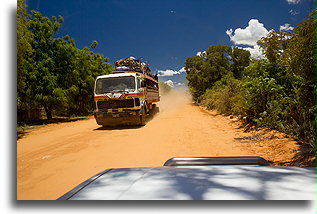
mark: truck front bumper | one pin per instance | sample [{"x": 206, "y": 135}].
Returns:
[{"x": 117, "y": 118}]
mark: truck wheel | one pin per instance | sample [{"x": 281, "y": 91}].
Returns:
[
  {"x": 142, "y": 120},
  {"x": 155, "y": 109}
]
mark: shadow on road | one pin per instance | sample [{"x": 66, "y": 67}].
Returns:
[
  {"x": 119, "y": 127},
  {"x": 50, "y": 121},
  {"x": 149, "y": 117}
]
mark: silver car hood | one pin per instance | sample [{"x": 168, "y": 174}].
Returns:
[{"x": 199, "y": 183}]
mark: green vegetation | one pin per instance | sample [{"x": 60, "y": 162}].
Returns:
[
  {"x": 205, "y": 71},
  {"x": 276, "y": 92},
  {"x": 24, "y": 39},
  {"x": 52, "y": 72}
]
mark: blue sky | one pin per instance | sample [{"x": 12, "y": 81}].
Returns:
[{"x": 165, "y": 32}]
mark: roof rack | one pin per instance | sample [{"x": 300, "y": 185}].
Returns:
[{"x": 203, "y": 161}]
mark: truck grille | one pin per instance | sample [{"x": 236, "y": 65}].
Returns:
[{"x": 113, "y": 104}]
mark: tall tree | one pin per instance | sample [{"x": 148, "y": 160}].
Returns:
[
  {"x": 240, "y": 60},
  {"x": 271, "y": 45},
  {"x": 24, "y": 48},
  {"x": 301, "y": 62},
  {"x": 42, "y": 82},
  {"x": 61, "y": 76},
  {"x": 205, "y": 70},
  {"x": 88, "y": 66}
]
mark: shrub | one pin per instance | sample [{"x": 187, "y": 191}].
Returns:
[{"x": 221, "y": 96}]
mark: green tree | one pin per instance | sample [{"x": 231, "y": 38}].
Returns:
[
  {"x": 88, "y": 66},
  {"x": 240, "y": 60},
  {"x": 278, "y": 92},
  {"x": 300, "y": 60},
  {"x": 24, "y": 48},
  {"x": 259, "y": 88},
  {"x": 42, "y": 82},
  {"x": 218, "y": 61},
  {"x": 61, "y": 76},
  {"x": 271, "y": 45}
]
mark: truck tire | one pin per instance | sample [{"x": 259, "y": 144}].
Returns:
[
  {"x": 142, "y": 120},
  {"x": 155, "y": 109}
]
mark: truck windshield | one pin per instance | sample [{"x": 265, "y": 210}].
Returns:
[{"x": 115, "y": 84}]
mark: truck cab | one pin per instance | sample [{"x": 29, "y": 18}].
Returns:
[{"x": 124, "y": 98}]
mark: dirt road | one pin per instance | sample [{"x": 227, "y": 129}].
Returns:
[{"x": 55, "y": 158}]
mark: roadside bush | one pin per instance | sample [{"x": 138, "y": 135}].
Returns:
[
  {"x": 258, "y": 93},
  {"x": 271, "y": 96},
  {"x": 277, "y": 92},
  {"x": 221, "y": 96},
  {"x": 265, "y": 93}
]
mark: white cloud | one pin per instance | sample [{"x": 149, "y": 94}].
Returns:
[
  {"x": 169, "y": 83},
  {"x": 199, "y": 53},
  {"x": 249, "y": 35},
  {"x": 163, "y": 73},
  {"x": 255, "y": 51},
  {"x": 293, "y": 12},
  {"x": 169, "y": 72},
  {"x": 286, "y": 27},
  {"x": 182, "y": 70},
  {"x": 180, "y": 84},
  {"x": 293, "y": 1}
]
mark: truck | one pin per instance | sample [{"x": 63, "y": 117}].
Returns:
[{"x": 127, "y": 95}]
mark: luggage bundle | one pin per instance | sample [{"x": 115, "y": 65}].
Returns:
[{"x": 133, "y": 64}]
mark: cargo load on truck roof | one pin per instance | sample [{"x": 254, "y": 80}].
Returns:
[{"x": 132, "y": 64}]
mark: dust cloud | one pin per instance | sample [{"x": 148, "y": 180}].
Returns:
[{"x": 174, "y": 100}]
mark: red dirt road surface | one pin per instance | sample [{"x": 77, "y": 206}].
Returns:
[{"x": 51, "y": 160}]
